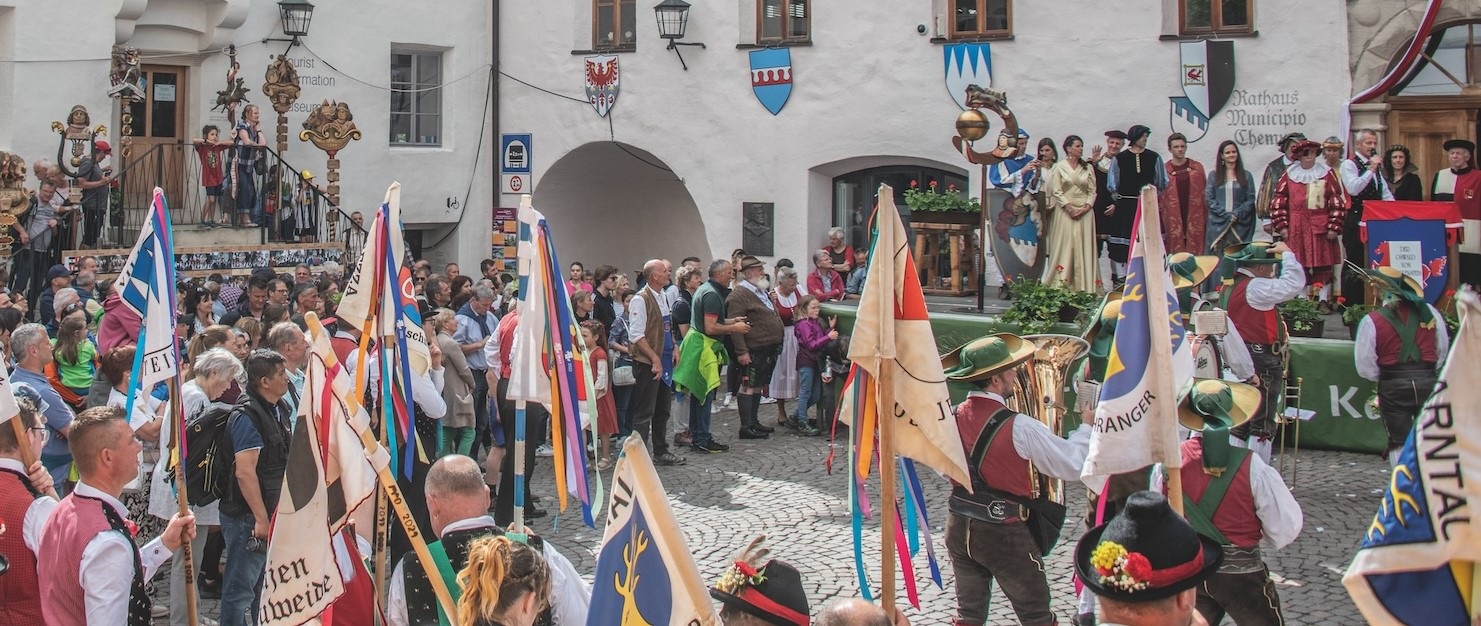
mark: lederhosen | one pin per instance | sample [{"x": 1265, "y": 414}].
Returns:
[
  {"x": 1406, "y": 376},
  {"x": 422, "y": 608},
  {"x": 1353, "y": 249}
]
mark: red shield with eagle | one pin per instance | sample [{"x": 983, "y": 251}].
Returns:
[{"x": 602, "y": 82}]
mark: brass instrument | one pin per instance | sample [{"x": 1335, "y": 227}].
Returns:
[{"x": 1039, "y": 393}]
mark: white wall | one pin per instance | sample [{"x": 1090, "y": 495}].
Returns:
[{"x": 870, "y": 85}]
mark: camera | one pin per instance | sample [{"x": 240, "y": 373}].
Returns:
[{"x": 920, "y": 29}]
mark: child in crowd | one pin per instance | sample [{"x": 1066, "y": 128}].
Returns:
[
  {"x": 209, "y": 148},
  {"x": 75, "y": 353},
  {"x": 812, "y": 337},
  {"x": 605, "y": 425}
]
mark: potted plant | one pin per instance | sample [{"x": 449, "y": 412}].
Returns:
[
  {"x": 1302, "y": 318},
  {"x": 1038, "y": 307},
  {"x": 949, "y": 206},
  {"x": 1353, "y": 315}
]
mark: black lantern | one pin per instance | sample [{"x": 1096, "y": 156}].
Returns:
[
  {"x": 296, "y": 15},
  {"x": 673, "y": 20}
]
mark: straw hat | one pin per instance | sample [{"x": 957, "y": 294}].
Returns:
[
  {"x": 986, "y": 356},
  {"x": 1238, "y": 400},
  {"x": 1108, "y": 312},
  {"x": 1189, "y": 270}
]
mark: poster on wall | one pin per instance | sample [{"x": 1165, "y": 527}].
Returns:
[
  {"x": 1206, "y": 72},
  {"x": 504, "y": 239},
  {"x": 1414, "y": 238}
]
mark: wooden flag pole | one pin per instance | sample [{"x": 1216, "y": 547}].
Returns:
[
  {"x": 382, "y": 515},
  {"x": 1150, "y": 224},
  {"x": 886, "y": 408},
  {"x": 177, "y": 431},
  {"x": 28, "y": 456}
]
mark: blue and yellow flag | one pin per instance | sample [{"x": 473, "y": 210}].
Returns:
[
  {"x": 645, "y": 572},
  {"x": 1416, "y": 564}
]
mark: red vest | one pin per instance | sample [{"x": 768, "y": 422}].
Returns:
[
  {"x": 73, "y": 524},
  {"x": 1001, "y": 468},
  {"x": 507, "y": 324},
  {"x": 1388, "y": 342},
  {"x": 343, "y": 346},
  {"x": 20, "y": 593},
  {"x": 1235, "y": 516},
  {"x": 1261, "y": 327}
]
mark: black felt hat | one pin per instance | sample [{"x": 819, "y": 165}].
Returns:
[
  {"x": 772, "y": 593},
  {"x": 1147, "y": 552},
  {"x": 1115, "y": 134},
  {"x": 1460, "y": 143}
]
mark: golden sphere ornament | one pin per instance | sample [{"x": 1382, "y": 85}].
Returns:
[{"x": 972, "y": 125}]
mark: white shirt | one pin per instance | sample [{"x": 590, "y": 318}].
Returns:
[
  {"x": 36, "y": 514},
  {"x": 144, "y": 406},
  {"x": 1051, "y": 455},
  {"x": 491, "y": 351},
  {"x": 637, "y": 314},
  {"x": 107, "y": 567},
  {"x": 570, "y": 596},
  {"x": 1356, "y": 181},
  {"x": 1264, "y": 294},
  {"x": 426, "y": 389},
  {"x": 1365, "y": 347},
  {"x": 1280, "y": 515}
]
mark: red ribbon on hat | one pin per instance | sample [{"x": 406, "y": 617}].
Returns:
[
  {"x": 1169, "y": 575},
  {"x": 759, "y": 600}
]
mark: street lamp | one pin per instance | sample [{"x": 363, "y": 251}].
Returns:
[
  {"x": 295, "y": 15},
  {"x": 673, "y": 20}
]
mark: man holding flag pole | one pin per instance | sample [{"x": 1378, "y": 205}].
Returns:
[{"x": 26, "y": 499}]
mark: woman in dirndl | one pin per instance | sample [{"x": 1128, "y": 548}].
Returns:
[{"x": 784, "y": 379}]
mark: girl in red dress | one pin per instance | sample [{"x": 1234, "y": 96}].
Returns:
[{"x": 594, "y": 335}]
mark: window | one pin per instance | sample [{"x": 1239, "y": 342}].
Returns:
[
  {"x": 853, "y": 195},
  {"x": 981, "y": 18},
  {"x": 1216, "y": 16},
  {"x": 783, "y": 21},
  {"x": 614, "y": 25},
  {"x": 416, "y": 98}
]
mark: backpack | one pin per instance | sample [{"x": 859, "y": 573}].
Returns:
[{"x": 209, "y": 463}]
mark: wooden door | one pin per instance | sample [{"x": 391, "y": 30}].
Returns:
[
  {"x": 1425, "y": 132},
  {"x": 159, "y": 120}
]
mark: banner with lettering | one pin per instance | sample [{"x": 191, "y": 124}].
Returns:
[{"x": 1414, "y": 238}]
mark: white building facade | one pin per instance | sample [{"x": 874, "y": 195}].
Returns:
[
  {"x": 681, "y": 153},
  {"x": 427, "y": 135}
]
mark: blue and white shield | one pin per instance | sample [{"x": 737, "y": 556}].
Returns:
[
  {"x": 966, "y": 63},
  {"x": 771, "y": 77},
  {"x": 1206, "y": 72}
]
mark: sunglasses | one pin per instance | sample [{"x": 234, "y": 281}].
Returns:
[{"x": 72, "y": 308}]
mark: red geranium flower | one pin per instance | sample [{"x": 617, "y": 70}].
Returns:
[
  {"x": 914, "y": 184},
  {"x": 933, "y": 184},
  {"x": 1138, "y": 566},
  {"x": 745, "y": 569},
  {"x": 951, "y": 187}
]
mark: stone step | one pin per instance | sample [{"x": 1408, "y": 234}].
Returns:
[{"x": 197, "y": 236}]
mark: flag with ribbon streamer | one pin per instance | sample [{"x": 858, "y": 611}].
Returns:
[{"x": 146, "y": 286}]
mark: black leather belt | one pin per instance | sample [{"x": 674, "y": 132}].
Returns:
[
  {"x": 1407, "y": 371},
  {"x": 988, "y": 509},
  {"x": 1262, "y": 348}
]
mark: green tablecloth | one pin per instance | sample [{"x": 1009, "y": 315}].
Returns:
[{"x": 1330, "y": 384}]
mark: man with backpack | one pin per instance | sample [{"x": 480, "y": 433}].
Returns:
[{"x": 260, "y": 435}]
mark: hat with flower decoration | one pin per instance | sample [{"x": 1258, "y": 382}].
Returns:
[
  {"x": 771, "y": 592},
  {"x": 1147, "y": 552}
]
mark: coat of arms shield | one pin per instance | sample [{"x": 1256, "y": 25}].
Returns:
[
  {"x": 967, "y": 63},
  {"x": 771, "y": 77},
  {"x": 602, "y": 82},
  {"x": 1206, "y": 72}
]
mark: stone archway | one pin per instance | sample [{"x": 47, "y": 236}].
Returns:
[{"x": 614, "y": 203}]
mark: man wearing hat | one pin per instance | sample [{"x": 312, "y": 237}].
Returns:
[
  {"x": 991, "y": 532},
  {"x": 1016, "y": 174},
  {"x": 756, "y": 352},
  {"x": 1462, "y": 184},
  {"x": 58, "y": 278},
  {"x": 94, "y": 179},
  {"x": 1105, "y": 204},
  {"x": 1145, "y": 563},
  {"x": 752, "y": 593},
  {"x": 1131, "y": 170},
  {"x": 1400, "y": 345},
  {"x": 1273, "y": 171},
  {"x": 1251, "y": 293},
  {"x": 1307, "y": 213},
  {"x": 1189, "y": 272},
  {"x": 1238, "y": 500}
]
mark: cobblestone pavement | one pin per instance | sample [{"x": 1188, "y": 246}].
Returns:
[{"x": 779, "y": 486}]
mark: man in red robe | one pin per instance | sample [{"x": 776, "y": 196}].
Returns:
[
  {"x": 1462, "y": 184},
  {"x": 1184, "y": 207}
]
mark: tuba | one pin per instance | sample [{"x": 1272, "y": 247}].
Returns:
[{"x": 1039, "y": 393}]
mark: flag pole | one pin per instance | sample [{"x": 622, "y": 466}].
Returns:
[
  {"x": 884, "y": 390},
  {"x": 177, "y": 429},
  {"x": 1153, "y": 258},
  {"x": 28, "y": 456},
  {"x": 521, "y": 449}
]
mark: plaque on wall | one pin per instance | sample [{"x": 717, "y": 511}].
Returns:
[{"x": 756, "y": 228}]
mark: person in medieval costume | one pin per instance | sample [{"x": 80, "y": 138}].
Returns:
[
  {"x": 1332, "y": 150},
  {"x": 1462, "y": 184},
  {"x": 1105, "y": 204},
  {"x": 1230, "y": 195},
  {"x": 1019, "y": 176},
  {"x": 1363, "y": 178},
  {"x": 1252, "y": 291},
  {"x": 1273, "y": 171},
  {"x": 1184, "y": 205},
  {"x": 1132, "y": 169},
  {"x": 1307, "y": 213},
  {"x": 1401, "y": 346},
  {"x": 1071, "y": 190}
]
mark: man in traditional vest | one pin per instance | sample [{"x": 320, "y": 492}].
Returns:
[
  {"x": 1235, "y": 498},
  {"x": 988, "y": 532},
  {"x": 1250, "y": 294},
  {"x": 23, "y": 501},
  {"x": 458, "y": 501},
  {"x": 1144, "y": 564},
  {"x": 1401, "y": 345},
  {"x": 1461, "y": 183},
  {"x": 649, "y": 333},
  {"x": 1362, "y": 177},
  {"x": 89, "y": 570}
]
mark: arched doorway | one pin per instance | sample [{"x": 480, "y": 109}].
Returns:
[
  {"x": 1440, "y": 97},
  {"x": 614, "y": 203}
]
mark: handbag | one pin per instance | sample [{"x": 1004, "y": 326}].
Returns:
[{"x": 622, "y": 373}]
